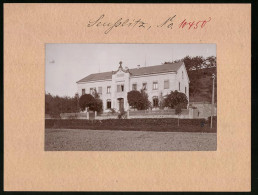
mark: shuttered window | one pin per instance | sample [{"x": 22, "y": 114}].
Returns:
[{"x": 166, "y": 84}]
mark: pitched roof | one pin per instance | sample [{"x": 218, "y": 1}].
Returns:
[{"x": 172, "y": 67}]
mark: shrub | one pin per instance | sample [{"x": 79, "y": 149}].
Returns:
[
  {"x": 88, "y": 101},
  {"x": 138, "y": 100},
  {"x": 175, "y": 98}
]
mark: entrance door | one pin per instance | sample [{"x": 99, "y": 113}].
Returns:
[{"x": 121, "y": 104}]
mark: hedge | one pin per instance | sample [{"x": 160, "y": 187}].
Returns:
[{"x": 146, "y": 124}]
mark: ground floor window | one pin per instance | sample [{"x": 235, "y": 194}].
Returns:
[
  {"x": 155, "y": 101},
  {"x": 108, "y": 104}
]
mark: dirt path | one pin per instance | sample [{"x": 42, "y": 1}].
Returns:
[{"x": 99, "y": 140}]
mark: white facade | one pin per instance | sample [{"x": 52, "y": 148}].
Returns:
[{"x": 123, "y": 80}]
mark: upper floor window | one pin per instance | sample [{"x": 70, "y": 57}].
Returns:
[
  {"x": 108, "y": 89},
  {"x": 120, "y": 88},
  {"x": 166, "y": 84},
  {"x": 155, "y": 85},
  {"x": 100, "y": 90},
  {"x": 185, "y": 90},
  {"x": 92, "y": 90},
  {"x": 83, "y": 91},
  {"x": 144, "y": 86},
  {"x": 182, "y": 75},
  {"x": 135, "y": 86},
  {"x": 179, "y": 86}
]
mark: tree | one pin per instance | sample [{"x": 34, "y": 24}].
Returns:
[
  {"x": 175, "y": 98},
  {"x": 178, "y": 111},
  {"x": 138, "y": 100},
  {"x": 98, "y": 104},
  {"x": 55, "y": 105},
  {"x": 161, "y": 101},
  {"x": 87, "y": 101},
  {"x": 145, "y": 99},
  {"x": 134, "y": 98}
]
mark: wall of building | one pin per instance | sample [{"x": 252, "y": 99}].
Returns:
[
  {"x": 160, "y": 78},
  {"x": 182, "y": 77},
  {"x": 127, "y": 80}
]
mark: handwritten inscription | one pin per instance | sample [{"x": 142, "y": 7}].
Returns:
[{"x": 168, "y": 23}]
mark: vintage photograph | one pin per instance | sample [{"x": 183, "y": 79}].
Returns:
[{"x": 130, "y": 97}]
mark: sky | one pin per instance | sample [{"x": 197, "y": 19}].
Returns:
[{"x": 68, "y": 63}]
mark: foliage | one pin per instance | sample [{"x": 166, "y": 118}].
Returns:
[
  {"x": 98, "y": 105},
  {"x": 178, "y": 110},
  {"x": 54, "y": 105},
  {"x": 138, "y": 100},
  {"x": 197, "y": 62},
  {"x": 161, "y": 101},
  {"x": 175, "y": 98},
  {"x": 199, "y": 70},
  {"x": 146, "y": 124},
  {"x": 146, "y": 103},
  {"x": 134, "y": 98},
  {"x": 88, "y": 101}
]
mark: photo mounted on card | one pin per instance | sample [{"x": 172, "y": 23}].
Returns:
[
  {"x": 130, "y": 97},
  {"x": 127, "y": 97}
]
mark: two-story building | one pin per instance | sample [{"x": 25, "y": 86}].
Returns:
[{"x": 157, "y": 81}]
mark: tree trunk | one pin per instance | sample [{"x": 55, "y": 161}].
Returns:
[{"x": 178, "y": 120}]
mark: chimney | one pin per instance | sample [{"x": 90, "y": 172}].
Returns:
[{"x": 138, "y": 66}]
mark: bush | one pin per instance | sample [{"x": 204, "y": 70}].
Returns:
[
  {"x": 138, "y": 100},
  {"x": 176, "y": 98},
  {"x": 88, "y": 101}
]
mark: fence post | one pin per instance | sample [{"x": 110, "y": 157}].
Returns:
[
  {"x": 88, "y": 116},
  {"x": 128, "y": 113}
]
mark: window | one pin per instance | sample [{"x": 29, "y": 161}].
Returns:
[
  {"x": 92, "y": 90},
  {"x": 120, "y": 88},
  {"x": 166, "y": 84},
  {"x": 83, "y": 91},
  {"x": 135, "y": 86},
  {"x": 182, "y": 75},
  {"x": 185, "y": 90},
  {"x": 108, "y": 89},
  {"x": 100, "y": 90},
  {"x": 155, "y": 85},
  {"x": 144, "y": 86},
  {"x": 155, "y": 101},
  {"x": 179, "y": 86},
  {"x": 108, "y": 104}
]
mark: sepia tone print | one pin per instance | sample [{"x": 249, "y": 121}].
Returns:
[{"x": 131, "y": 97}]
